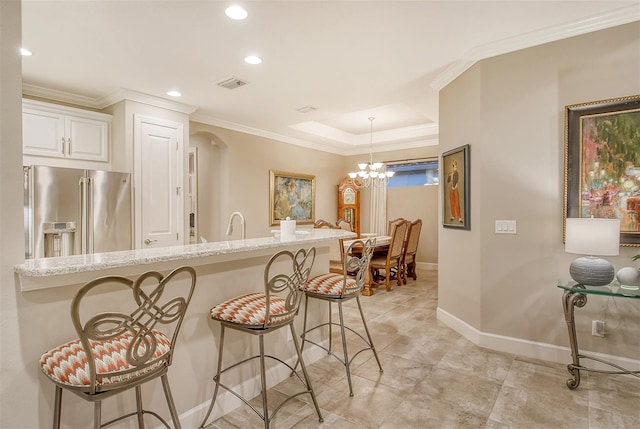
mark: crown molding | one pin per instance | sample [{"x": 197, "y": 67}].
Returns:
[
  {"x": 613, "y": 18},
  {"x": 209, "y": 120},
  {"x": 61, "y": 96},
  {"x": 151, "y": 100},
  {"x": 107, "y": 100},
  {"x": 414, "y": 144}
]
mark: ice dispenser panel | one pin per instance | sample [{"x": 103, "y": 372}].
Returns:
[{"x": 59, "y": 238}]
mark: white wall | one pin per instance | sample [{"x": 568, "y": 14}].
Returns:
[{"x": 512, "y": 108}]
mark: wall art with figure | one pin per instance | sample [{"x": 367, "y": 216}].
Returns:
[
  {"x": 292, "y": 196},
  {"x": 602, "y": 163},
  {"x": 455, "y": 197}
]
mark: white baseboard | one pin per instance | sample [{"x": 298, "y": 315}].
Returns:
[
  {"x": 529, "y": 349},
  {"x": 427, "y": 266}
]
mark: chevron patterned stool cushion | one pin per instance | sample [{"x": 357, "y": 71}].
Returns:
[
  {"x": 328, "y": 284},
  {"x": 250, "y": 309},
  {"x": 67, "y": 364}
]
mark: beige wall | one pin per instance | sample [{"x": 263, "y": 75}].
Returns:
[
  {"x": 513, "y": 107},
  {"x": 415, "y": 202},
  {"x": 236, "y": 166},
  {"x": 18, "y": 359}
]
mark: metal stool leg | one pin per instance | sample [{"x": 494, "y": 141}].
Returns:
[
  {"x": 170, "y": 403},
  {"x": 347, "y": 364},
  {"x": 139, "y": 407},
  {"x": 366, "y": 329},
  {"x": 330, "y": 327},
  {"x": 307, "y": 380},
  {"x": 216, "y": 379},
  {"x": 57, "y": 407},
  {"x": 304, "y": 332},
  {"x": 263, "y": 382}
]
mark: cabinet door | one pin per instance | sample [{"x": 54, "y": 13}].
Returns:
[
  {"x": 43, "y": 133},
  {"x": 87, "y": 139}
]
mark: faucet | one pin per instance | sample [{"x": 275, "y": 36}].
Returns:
[{"x": 242, "y": 224}]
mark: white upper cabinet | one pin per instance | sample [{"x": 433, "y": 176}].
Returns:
[{"x": 56, "y": 131}]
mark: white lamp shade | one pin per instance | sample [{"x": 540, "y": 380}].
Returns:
[{"x": 590, "y": 236}]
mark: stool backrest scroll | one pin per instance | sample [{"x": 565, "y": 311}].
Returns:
[
  {"x": 148, "y": 322},
  {"x": 357, "y": 264},
  {"x": 284, "y": 275}
]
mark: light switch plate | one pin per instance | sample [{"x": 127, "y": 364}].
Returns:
[{"x": 506, "y": 227}]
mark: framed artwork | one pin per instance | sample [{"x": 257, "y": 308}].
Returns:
[
  {"x": 602, "y": 163},
  {"x": 455, "y": 169},
  {"x": 291, "y": 195}
]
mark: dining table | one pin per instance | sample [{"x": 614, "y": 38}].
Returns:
[{"x": 380, "y": 247}]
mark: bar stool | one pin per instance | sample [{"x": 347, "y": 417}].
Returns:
[
  {"x": 261, "y": 313},
  {"x": 340, "y": 288},
  {"x": 116, "y": 350}
]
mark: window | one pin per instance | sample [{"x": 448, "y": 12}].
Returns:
[{"x": 420, "y": 172}]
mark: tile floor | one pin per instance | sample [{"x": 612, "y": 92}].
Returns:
[{"x": 434, "y": 378}]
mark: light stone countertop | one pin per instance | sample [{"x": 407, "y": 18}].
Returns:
[{"x": 67, "y": 265}]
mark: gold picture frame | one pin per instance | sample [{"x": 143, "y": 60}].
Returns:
[{"x": 291, "y": 195}]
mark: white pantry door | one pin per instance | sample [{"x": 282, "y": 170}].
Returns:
[{"x": 158, "y": 169}]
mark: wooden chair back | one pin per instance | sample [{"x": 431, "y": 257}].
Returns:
[
  {"x": 393, "y": 222},
  {"x": 413, "y": 236},
  {"x": 396, "y": 245},
  {"x": 321, "y": 223},
  {"x": 343, "y": 224}
]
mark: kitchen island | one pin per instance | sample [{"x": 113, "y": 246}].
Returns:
[{"x": 224, "y": 269}]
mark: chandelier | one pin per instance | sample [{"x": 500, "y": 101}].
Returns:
[{"x": 371, "y": 174}]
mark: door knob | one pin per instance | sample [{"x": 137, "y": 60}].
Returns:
[{"x": 147, "y": 241}]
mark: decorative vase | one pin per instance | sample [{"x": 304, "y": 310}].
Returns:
[{"x": 629, "y": 276}]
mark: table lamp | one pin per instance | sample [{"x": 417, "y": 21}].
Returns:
[{"x": 592, "y": 237}]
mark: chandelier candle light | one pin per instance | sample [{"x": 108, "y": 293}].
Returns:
[
  {"x": 372, "y": 173},
  {"x": 593, "y": 237}
]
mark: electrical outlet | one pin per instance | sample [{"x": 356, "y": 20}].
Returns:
[
  {"x": 597, "y": 328},
  {"x": 289, "y": 337}
]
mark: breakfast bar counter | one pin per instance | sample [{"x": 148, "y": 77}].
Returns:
[
  {"x": 51, "y": 272},
  {"x": 224, "y": 269}
]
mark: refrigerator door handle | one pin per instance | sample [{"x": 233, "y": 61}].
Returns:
[{"x": 86, "y": 216}]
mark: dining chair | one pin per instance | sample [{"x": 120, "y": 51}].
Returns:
[
  {"x": 118, "y": 348},
  {"x": 340, "y": 288},
  {"x": 336, "y": 247},
  {"x": 410, "y": 250},
  {"x": 393, "y": 222},
  {"x": 261, "y": 313},
  {"x": 343, "y": 224},
  {"x": 321, "y": 223},
  {"x": 393, "y": 257}
]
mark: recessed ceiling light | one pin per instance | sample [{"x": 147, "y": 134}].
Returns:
[
  {"x": 252, "y": 59},
  {"x": 236, "y": 12},
  {"x": 174, "y": 93},
  {"x": 25, "y": 52}
]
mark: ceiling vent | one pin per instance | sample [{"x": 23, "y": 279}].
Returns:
[
  {"x": 307, "y": 109},
  {"x": 232, "y": 83}
]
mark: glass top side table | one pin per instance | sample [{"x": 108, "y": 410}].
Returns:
[{"x": 575, "y": 295}]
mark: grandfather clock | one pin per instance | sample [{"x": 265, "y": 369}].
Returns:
[{"x": 349, "y": 203}]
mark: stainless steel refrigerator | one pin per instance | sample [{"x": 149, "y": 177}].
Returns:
[{"x": 72, "y": 211}]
